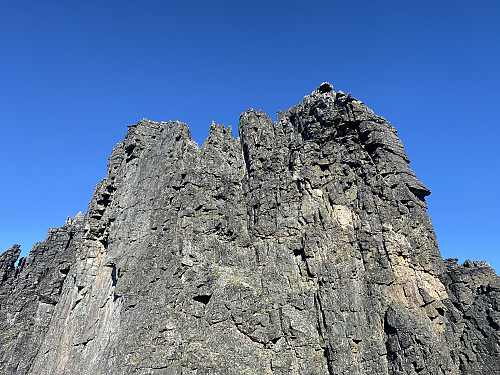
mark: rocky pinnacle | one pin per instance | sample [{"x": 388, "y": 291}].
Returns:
[{"x": 301, "y": 247}]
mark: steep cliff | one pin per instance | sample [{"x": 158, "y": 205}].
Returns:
[{"x": 301, "y": 247}]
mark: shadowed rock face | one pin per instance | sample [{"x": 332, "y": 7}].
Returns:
[{"x": 301, "y": 247}]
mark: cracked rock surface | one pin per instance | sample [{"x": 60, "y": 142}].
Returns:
[{"x": 301, "y": 247}]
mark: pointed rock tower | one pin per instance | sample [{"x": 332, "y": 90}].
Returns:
[{"x": 301, "y": 247}]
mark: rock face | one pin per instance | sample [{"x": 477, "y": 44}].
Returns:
[{"x": 301, "y": 247}]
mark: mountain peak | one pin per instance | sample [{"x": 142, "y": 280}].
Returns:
[{"x": 301, "y": 247}]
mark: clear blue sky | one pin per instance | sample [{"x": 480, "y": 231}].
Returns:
[{"x": 74, "y": 74}]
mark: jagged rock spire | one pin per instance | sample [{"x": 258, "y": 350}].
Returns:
[{"x": 301, "y": 247}]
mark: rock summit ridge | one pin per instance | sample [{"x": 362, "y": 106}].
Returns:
[{"x": 301, "y": 247}]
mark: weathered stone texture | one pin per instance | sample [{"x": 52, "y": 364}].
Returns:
[{"x": 301, "y": 247}]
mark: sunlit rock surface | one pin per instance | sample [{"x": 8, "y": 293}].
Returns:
[{"x": 301, "y": 247}]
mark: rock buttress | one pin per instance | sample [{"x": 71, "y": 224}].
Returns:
[{"x": 302, "y": 247}]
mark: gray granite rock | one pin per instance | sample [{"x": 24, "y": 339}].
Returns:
[{"x": 301, "y": 247}]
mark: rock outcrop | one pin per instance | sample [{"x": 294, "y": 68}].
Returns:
[{"x": 301, "y": 247}]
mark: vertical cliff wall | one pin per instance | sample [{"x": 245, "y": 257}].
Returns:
[{"x": 301, "y": 247}]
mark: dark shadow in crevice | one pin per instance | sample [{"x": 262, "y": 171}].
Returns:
[{"x": 203, "y": 298}]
